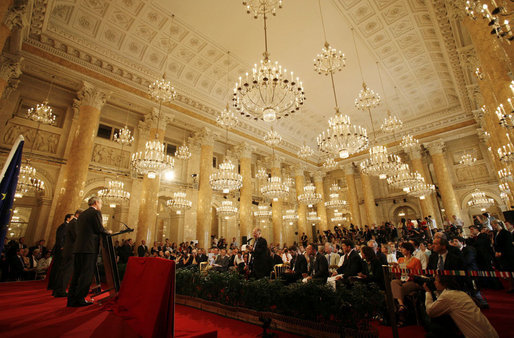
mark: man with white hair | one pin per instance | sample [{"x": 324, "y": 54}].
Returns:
[
  {"x": 260, "y": 267},
  {"x": 332, "y": 257}
]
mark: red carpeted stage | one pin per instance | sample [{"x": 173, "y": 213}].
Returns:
[{"x": 28, "y": 309}]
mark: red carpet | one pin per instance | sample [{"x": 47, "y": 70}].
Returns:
[{"x": 27, "y": 309}]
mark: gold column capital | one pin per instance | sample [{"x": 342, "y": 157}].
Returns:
[
  {"x": 435, "y": 147},
  {"x": 16, "y": 17},
  {"x": 10, "y": 67},
  {"x": 299, "y": 170},
  {"x": 244, "y": 150},
  {"x": 93, "y": 96},
  {"x": 205, "y": 136},
  {"x": 158, "y": 120},
  {"x": 318, "y": 176},
  {"x": 415, "y": 153}
]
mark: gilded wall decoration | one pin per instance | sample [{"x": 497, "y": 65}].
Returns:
[
  {"x": 475, "y": 172},
  {"x": 110, "y": 156},
  {"x": 45, "y": 141}
]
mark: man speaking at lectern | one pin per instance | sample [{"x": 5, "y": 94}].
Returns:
[{"x": 85, "y": 250}]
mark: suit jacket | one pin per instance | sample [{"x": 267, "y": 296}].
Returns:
[
  {"x": 299, "y": 265},
  {"x": 503, "y": 244},
  {"x": 59, "y": 239},
  {"x": 469, "y": 258},
  {"x": 142, "y": 250},
  {"x": 89, "y": 228},
  {"x": 70, "y": 235},
  {"x": 352, "y": 265},
  {"x": 452, "y": 262},
  {"x": 260, "y": 258},
  {"x": 374, "y": 272},
  {"x": 320, "y": 268},
  {"x": 484, "y": 249},
  {"x": 382, "y": 258},
  {"x": 334, "y": 259}
]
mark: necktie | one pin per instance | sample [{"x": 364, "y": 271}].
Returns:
[{"x": 440, "y": 264}]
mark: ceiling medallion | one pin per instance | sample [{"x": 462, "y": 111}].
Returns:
[
  {"x": 269, "y": 93},
  {"x": 227, "y": 209},
  {"x": 309, "y": 196},
  {"x": 179, "y": 202}
]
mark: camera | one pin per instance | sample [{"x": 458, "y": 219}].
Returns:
[{"x": 423, "y": 279}]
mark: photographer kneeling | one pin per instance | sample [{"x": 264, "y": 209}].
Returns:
[{"x": 459, "y": 306}]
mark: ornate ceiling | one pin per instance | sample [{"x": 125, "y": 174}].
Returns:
[{"x": 129, "y": 40}]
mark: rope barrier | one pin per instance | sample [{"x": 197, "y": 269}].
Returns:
[{"x": 459, "y": 273}]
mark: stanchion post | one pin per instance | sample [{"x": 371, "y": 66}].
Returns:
[{"x": 390, "y": 301}]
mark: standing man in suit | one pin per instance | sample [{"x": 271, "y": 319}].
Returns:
[
  {"x": 142, "y": 250},
  {"x": 260, "y": 255},
  {"x": 85, "y": 250},
  {"x": 441, "y": 258},
  {"x": 350, "y": 263},
  {"x": 57, "y": 252},
  {"x": 66, "y": 269}
]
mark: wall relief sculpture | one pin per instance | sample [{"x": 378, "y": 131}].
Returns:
[
  {"x": 465, "y": 174},
  {"x": 44, "y": 141},
  {"x": 110, "y": 156}
]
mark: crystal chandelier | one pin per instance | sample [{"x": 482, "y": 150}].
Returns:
[
  {"x": 479, "y": 200},
  {"x": 262, "y": 7},
  {"x": 269, "y": 93},
  {"x": 505, "y": 175},
  {"x": 312, "y": 216},
  {"x": 467, "y": 160},
  {"x": 404, "y": 179},
  {"x": 289, "y": 181},
  {"x": 335, "y": 202},
  {"x": 506, "y": 118},
  {"x": 367, "y": 98},
  {"x": 226, "y": 179},
  {"x": 505, "y": 198},
  {"x": 183, "y": 152},
  {"x": 27, "y": 182},
  {"x": 161, "y": 90},
  {"x": 391, "y": 123},
  {"x": 329, "y": 60},
  {"x": 409, "y": 143},
  {"x": 42, "y": 113},
  {"x": 380, "y": 163},
  {"x": 342, "y": 138},
  {"x": 123, "y": 136},
  {"x": 153, "y": 160},
  {"x": 421, "y": 190},
  {"x": 338, "y": 217},
  {"x": 274, "y": 189},
  {"x": 329, "y": 163},
  {"x": 500, "y": 28},
  {"x": 305, "y": 152},
  {"x": 262, "y": 211},
  {"x": 115, "y": 192},
  {"x": 226, "y": 118},
  {"x": 506, "y": 154},
  {"x": 227, "y": 208},
  {"x": 272, "y": 138},
  {"x": 262, "y": 173},
  {"x": 179, "y": 202},
  {"x": 309, "y": 196},
  {"x": 290, "y": 215}
]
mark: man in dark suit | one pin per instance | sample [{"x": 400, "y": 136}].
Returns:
[
  {"x": 441, "y": 258},
  {"x": 85, "y": 251},
  {"x": 351, "y": 262},
  {"x": 126, "y": 251},
  {"x": 319, "y": 266},
  {"x": 260, "y": 255},
  {"x": 66, "y": 269},
  {"x": 57, "y": 252},
  {"x": 298, "y": 266},
  {"x": 142, "y": 250}
]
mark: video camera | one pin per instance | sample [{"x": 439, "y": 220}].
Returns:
[{"x": 424, "y": 279}]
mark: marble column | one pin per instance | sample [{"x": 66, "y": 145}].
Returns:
[
  {"x": 187, "y": 231},
  {"x": 10, "y": 72},
  {"x": 155, "y": 123},
  {"x": 444, "y": 183},
  {"x": 276, "y": 207},
  {"x": 299, "y": 178},
  {"x": 75, "y": 173},
  {"x": 427, "y": 207},
  {"x": 244, "y": 152},
  {"x": 203, "y": 213},
  {"x": 320, "y": 207},
  {"x": 353, "y": 199},
  {"x": 369, "y": 200}
]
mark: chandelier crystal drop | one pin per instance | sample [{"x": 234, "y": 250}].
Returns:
[
  {"x": 391, "y": 123},
  {"x": 153, "y": 160},
  {"x": 226, "y": 118},
  {"x": 312, "y": 216},
  {"x": 290, "y": 215},
  {"x": 272, "y": 138},
  {"x": 505, "y": 175},
  {"x": 342, "y": 138},
  {"x": 183, "y": 153},
  {"x": 226, "y": 179},
  {"x": 335, "y": 202},
  {"x": 380, "y": 163},
  {"x": 480, "y": 200},
  {"x": 227, "y": 208},
  {"x": 275, "y": 189},
  {"x": 262, "y": 7},
  {"x": 467, "y": 160},
  {"x": 27, "y": 182},
  {"x": 506, "y": 154},
  {"x": 309, "y": 196},
  {"x": 262, "y": 173},
  {"x": 305, "y": 152},
  {"x": 115, "y": 192},
  {"x": 162, "y": 91},
  {"x": 409, "y": 143},
  {"x": 367, "y": 98},
  {"x": 263, "y": 211},
  {"x": 329, "y": 61},
  {"x": 330, "y": 163},
  {"x": 179, "y": 202},
  {"x": 123, "y": 136},
  {"x": 42, "y": 113}
]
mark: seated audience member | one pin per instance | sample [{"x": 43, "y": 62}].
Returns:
[
  {"x": 350, "y": 264},
  {"x": 371, "y": 268},
  {"x": 418, "y": 254},
  {"x": 298, "y": 266},
  {"x": 332, "y": 256},
  {"x": 222, "y": 262},
  {"x": 405, "y": 285},
  {"x": 44, "y": 263},
  {"x": 460, "y": 307},
  {"x": 318, "y": 269}
]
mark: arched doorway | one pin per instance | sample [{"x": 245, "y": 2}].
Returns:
[{"x": 404, "y": 211}]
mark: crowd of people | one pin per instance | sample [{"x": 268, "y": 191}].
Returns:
[{"x": 19, "y": 262}]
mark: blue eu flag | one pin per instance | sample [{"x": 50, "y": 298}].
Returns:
[{"x": 8, "y": 182}]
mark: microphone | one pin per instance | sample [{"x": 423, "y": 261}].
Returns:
[{"x": 126, "y": 226}]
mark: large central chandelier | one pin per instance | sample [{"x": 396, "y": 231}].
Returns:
[
  {"x": 309, "y": 196},
  {"x": 153, "y": 160},
  {"x": 227, "y": 209},
  {"x": 179, "y": 202},
  {"x": 335, "y": 202},
  {"x": 115, "y": 193},
  {"x": 275, "y": 189},
  {"x": 269, "y": 93},
  {"x": 380, "y": 163},
  {"x": 27, "y": 182},
  {"x": 226, "y": 179},
  {"x": 479, "y": 200}
]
